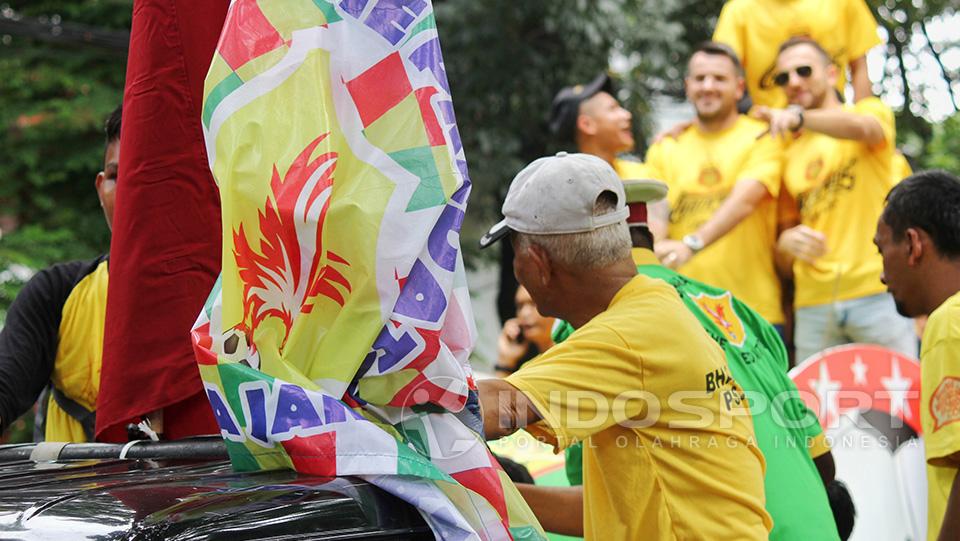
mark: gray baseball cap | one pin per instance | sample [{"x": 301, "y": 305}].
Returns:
[{"x": 556, "y": 195}]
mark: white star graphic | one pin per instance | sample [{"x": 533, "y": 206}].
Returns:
[
  {"x": 898, "y": 387},
  {"x": 826, "y": 390},
  {"x": 859, "y": 371}
]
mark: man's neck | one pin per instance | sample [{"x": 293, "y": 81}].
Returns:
[
  {"x": 588, "y": 147},
  {"x": 604, "y": 284},
  {"x": 945, "y": 285},
  {"x": 714, "y": 125}
]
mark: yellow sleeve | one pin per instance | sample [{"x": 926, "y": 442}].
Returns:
[
  {"x": 727, "y": 30},
  {"x": 653, "y": 162},
  {"x": 817, "y": 445},
  {"x": 862, "y": 28},
  {"x": 579, "y": 386},
  {"x": 901, "y": 168},
  {"x": 941, "y": 373},
  {"x": 872, "y": 106},
  {"x": 764, "y": 164}
]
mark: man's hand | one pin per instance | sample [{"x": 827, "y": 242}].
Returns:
[
  {"x": 511, "y": 346},
  {"x": 559, "y": 509},
  {"x": 782, "y": 122},
  {"x": 673, "y": 132},
  {"x": 504, "y": 408},
  {"x": 672, "y": 253},
  {"x": 803, "y": 243}
]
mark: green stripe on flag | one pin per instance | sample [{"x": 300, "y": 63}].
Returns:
[
  {"x": 328, "y": 11},
  {"x": 523, "y": 533},
  {"x": 219, "y": 92},
  {"x": 419, "y": 161},
  {"x": 231, "y": 376},
  {"x": 428, "y": 23},
  {"x": 240, "y": 457}
]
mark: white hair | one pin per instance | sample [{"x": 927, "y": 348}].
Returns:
[{"x": 589, "y": 250}]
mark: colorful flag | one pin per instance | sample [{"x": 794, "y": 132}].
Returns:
[{"x": 336, "y": 340}]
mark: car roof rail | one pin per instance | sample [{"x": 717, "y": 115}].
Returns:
[{"x": 196, "y": 448}]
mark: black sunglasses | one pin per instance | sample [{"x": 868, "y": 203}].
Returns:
[{"x": 783, "y": 77}]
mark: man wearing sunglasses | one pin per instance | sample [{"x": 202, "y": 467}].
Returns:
[
  {"x": 838, "y": 167},
  {"x": 724, "y": 178},
  {"x": 845, "y": 28}
]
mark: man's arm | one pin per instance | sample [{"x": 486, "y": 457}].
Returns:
[
  {"x": 834, "y": 122},
  {"x": 950, "y": 530},
  {"x": 559, "y": 509},
  {"x": 741, "y": 202},
  {"x": 504, "y": 408},
  {"x": 28, "y": 341},
  {"x": 826, "y": 467},
  {"x": 860, "y": 79}
]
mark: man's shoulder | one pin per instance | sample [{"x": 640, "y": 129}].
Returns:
[
  {"x": 644, "y": 301},
  {"x": 59, "y": 278},
  {"x": 943, "y": 325}
]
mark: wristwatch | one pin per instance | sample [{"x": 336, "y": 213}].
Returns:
[
  {"x": 694, "y": 242},
  {"x": 798, "y": 109}
]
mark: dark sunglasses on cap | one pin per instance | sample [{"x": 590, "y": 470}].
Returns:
[{"x": 783, "y": 77}]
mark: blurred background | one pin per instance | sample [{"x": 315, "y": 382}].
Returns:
[{"x": 62, "y": 66}]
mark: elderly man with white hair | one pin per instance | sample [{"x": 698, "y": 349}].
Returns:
[{"x": 669, "y": 447}]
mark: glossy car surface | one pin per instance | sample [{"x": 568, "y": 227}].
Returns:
[{"x": 191, "y": 498}]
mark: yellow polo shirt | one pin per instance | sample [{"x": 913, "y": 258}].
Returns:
[
  {"x": 701, "y": 170},
  {"x": 840, "y": 185},
  {"x": 668, "y": 445},
  {"x": 629, "y": 169},
  {"x": 755, "y": 29},
  {"x": 940, "y": 406},
  {"x": 76, "y": 368}
]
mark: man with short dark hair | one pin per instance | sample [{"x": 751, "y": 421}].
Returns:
[
  {"x": 589, "y": 117},
  {"x": 918, "y": 236},
  {"x": 724, "y": 178},
  {"x": 838, "y": 163},
  {"x": 54, "y": 330},
  {"x": 651, "y": 469}
]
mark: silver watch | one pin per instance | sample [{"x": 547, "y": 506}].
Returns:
[{"x": 694, "y": 242}]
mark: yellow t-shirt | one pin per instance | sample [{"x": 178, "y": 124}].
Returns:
[
  {"x": 76, "y": 368},
  {"x": 840, "y": 185},
  {"x": 940, "y": 406},
  {"x": 755, "y": 29},
  {"x": 685, "y": 464},
  {"x": 629, "y": 169},
  {"x": 701, "y": 170},
  {"x": 900, "y": 168}
]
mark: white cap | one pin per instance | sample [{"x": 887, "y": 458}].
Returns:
[{"x": 556, "y": 195}]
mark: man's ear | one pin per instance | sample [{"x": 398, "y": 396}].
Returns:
[
  {"x": 832, "y": 74},
  {"x": 586, "y": 125},
  {"x": 915, "y": 239},
  {"x": 741, "y": 88},
  {"x": 98, "y": 185},
  {"x": 541, "y": 262}
]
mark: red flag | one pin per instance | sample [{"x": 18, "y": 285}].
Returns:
[{"x": 165, "y": 253}]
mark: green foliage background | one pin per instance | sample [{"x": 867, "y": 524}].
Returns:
[{"x": 54, "y": 98}]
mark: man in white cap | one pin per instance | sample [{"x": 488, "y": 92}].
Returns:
[
  {"x": 669, "y": 450},
  {"x": 799, "y": 462}
]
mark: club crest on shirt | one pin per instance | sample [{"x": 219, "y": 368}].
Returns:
[
  {"x": 721, "y": 312},
  {"x": 813, "y": 170},
  {"x": 709, "y": 176},
  {"x": 945, "y": 403}
]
